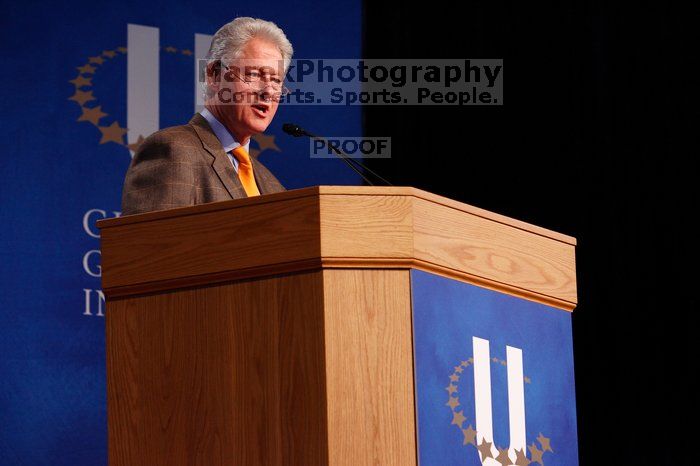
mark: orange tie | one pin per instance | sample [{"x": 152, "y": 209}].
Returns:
[{"x": 245, "y": 171}]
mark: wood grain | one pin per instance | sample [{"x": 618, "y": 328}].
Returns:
[
  {"x": 366, "y": 226},
  {"x": 493, "y": 251},
  {"x": 189, "y": 245},
  {"x": 439, "y": 236},
  {"x": 223, "y": 375},
  {"x": 369, "y": 367},
  {"x": 315, "y": 191},
  {"x": 303, "y": 229},
  {"x": 369, "y": 263}
]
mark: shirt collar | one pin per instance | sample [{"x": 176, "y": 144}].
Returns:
[{"x": 223, "y": 135}]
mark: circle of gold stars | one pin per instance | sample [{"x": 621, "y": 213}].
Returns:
[
  {"x": 114, "y": 132},
  {"x": 470, "y": 435}
]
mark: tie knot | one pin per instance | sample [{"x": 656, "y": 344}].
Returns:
[{"x": 241, "y": 155}]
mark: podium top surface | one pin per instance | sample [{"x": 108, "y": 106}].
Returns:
[
  {"x": 339, "y": 190},
  {"x": 336, "y": 227}
]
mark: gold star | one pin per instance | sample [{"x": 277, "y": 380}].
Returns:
[
  {"x": 98, "y": 59},
  {"x": 454, "y": 378},
  {"x": 503, "y": 457},
  {"x": 527, "y": 379},
  {"x": 112, "y": 133},
  {"x": 465, "y": 363},
  {"x": 469, "y": 435},
  {"x": 503, "y": 362},
  {"x": 81, "y": 81},
  {"x": 458, "y": 418},
  {"x": 453, "y": 403},
  {"x": 494, "y": 359},
  {"x": 186, "y": 52},
  {"x": 544, "y": 442},
  {"x": 134, "y": 146},
  {"x": 471, "y": 360},
  {"x": 521, "y": 458},
  {"x": 485, "y": 450},
  {"x": 535, "y": 454},
  {"x": 109, "y": 53},
  {"x": 81, "y": 97},
  {"x": 459, "y": 369},
  {"x": 266, "y": 142},
  {"x": 86, "y": 69},
  {"x": 122, "y": 49},
  {"x": 451, "y": 389},
  {"x": 170, "y": 49},
  {"x": 92, "y": 115}
]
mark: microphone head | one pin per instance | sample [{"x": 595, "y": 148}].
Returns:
[{"x": 293, "y": 130}]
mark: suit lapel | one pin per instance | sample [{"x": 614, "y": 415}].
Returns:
[{"x": 220, "y": 161}]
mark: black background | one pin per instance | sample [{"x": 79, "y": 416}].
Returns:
[{"x": 596, "y": 139}]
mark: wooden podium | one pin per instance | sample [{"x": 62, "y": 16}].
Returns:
[{"x": 278, "y": 330}]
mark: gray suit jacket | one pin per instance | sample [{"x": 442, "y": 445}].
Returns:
[{"x": 183, "y": 166}]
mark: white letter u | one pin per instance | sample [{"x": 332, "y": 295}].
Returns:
[{"x": 482, "y": 398}]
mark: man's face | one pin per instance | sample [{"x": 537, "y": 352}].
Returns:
[{"x": 247, "y": 108}]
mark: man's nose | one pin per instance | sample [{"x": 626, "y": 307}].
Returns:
[
  {"x": 264, "y": 85},
  {"x": 264, "y": 92}
]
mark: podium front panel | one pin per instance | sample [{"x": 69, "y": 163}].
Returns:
[{"x": 494, "y": 377}]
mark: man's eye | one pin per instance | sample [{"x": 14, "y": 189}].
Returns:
[
  {"x": 253, "y": 75},
  {"x": 276, "y": 80}
]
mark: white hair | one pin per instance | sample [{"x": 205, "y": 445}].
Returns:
[{"x": 231, "y": 38}]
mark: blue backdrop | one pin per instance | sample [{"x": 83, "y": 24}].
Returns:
[{"x": 64, "y": 110}]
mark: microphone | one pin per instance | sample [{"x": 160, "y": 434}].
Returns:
[
  {"x": 298, "y": 131},
  {"x": 294, "y": 130}
]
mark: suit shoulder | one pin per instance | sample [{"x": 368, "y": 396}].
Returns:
[
  {"x": 172, "y": 136},
  {"x": 175, "y": 144}
]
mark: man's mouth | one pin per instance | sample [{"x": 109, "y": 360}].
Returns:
[{"x": 261, "y": 109}]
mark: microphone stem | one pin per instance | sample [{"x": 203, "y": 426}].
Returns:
[
  {"x": 350, "y": 161},
  {"x": 343, "y": 158}
]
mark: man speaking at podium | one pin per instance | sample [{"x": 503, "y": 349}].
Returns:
[{"x": 207, "y": 160}]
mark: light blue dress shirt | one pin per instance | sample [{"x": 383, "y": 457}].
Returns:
[{"x": 225, "y": 137}]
